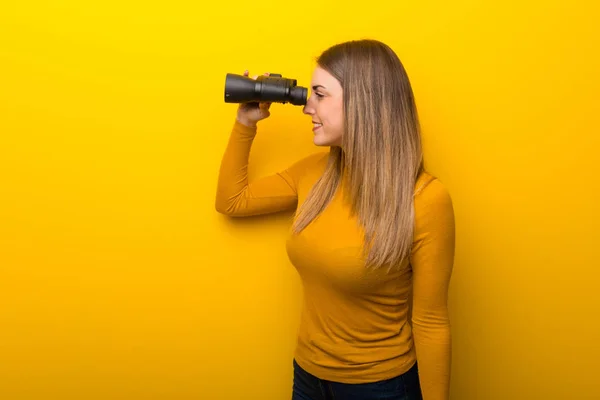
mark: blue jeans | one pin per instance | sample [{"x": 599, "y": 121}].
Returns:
[{"x": 402, "y": 387}]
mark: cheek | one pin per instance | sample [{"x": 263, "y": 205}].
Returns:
[
  {"x": 331, "y": 115},
  {"x": 338, "y": 118}
]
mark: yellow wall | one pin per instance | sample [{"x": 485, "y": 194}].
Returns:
[{"x": 118, "y": 280}]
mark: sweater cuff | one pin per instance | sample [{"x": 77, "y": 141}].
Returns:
[{"x": 244, "y": 130}]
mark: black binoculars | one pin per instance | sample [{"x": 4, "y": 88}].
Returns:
[{"x": 272, "y": 88}]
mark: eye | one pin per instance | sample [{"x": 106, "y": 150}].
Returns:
[{"x": 319, "y": 95}]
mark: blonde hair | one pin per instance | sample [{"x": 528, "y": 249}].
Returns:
[{"x": 381, "y": 154}]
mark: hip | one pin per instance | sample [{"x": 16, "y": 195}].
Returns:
[{"x": 307, "y": 386}]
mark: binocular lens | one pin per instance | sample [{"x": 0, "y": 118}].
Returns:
[{"x": 272, "y": 88}]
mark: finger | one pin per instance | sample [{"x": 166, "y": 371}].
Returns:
[{"x": 246, "y": 73}]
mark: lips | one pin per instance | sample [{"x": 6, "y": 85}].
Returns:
[{"x": 316, "y": 125}]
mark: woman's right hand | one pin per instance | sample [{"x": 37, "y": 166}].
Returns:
[{"x": 250, "y": 113}]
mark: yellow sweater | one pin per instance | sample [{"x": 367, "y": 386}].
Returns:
[{"x": 355, "y": 325}]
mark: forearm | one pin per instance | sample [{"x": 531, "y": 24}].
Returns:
[
  {"x": 236, "y": 195},
  {"x": 434, "y": 347},
  {"x": 233, "y": 171}
]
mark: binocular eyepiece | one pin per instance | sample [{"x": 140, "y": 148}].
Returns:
[{"x": 272, "y": 88}]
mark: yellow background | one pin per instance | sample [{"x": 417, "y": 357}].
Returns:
[{"x": 118, "y": 280}]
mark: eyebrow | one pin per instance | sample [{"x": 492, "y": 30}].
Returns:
[{"x": 318, "y": 86}]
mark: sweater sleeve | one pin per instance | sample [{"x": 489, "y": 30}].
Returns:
[
  {"x": 238, "y": 197},
  {"x": 432, "y": 261}
]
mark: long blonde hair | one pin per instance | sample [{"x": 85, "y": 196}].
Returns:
[{"x": 381, "y": 154}]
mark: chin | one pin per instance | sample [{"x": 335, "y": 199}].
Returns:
[{"x": 321, "y": 140}]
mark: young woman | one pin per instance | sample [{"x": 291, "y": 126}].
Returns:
[{"x": 373, "y": 233}]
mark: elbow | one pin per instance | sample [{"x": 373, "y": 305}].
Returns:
[
  {"x": 432, "y": 334},
  {"x": 229, "y": 207},
  {"x": 232, "y": 204},
  {"x": 222, "y": 204},
  {"x": 222, "y": 207},
  {"x": 441, "y": 326},
  {"x": 431, "y": 323}
]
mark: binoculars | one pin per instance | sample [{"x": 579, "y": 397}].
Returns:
[{"x": 272, "y": 88}]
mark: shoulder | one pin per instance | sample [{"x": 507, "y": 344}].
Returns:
[
  {"x": 318, "y": 157},
  {"x": 312, "y": 162},
  {"x": 432, "y": 202},
  {"x": 429, "y": 188}
]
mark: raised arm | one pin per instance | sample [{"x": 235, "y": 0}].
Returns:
[
  {"x": 432, "y": 262},
  {"x": 236, "y": 196}
]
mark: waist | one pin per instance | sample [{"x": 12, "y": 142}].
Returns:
[{"x": 355, "y": 358}]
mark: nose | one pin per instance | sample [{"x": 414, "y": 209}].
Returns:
[{"x": 308, "y": 108}]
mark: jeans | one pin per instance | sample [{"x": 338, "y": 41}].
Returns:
[{"x": 402, "y": 387}]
